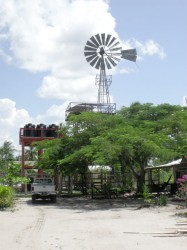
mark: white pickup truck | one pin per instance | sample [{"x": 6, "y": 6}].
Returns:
[{"x": 43, "y": 188}]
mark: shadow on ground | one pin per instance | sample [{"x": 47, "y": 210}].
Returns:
[
  {"x": 88, "y": 204},
  {"x": 84, "y": 203}
]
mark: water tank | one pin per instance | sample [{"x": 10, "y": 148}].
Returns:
[
  {"x": 29, "y": 130},
  {"x": 41, "y": 130},
  {"x": 51, "y": 130}
]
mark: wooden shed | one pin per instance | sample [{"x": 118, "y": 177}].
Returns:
[{"x": 175, "y": 169}]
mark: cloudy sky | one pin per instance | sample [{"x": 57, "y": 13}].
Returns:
[{"x": 42, "y": 61}]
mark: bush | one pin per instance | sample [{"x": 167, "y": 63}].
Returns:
[
  {"x": 6, "y": 196},
  {"x": 146, "y": 195},
  {"x": 182, "y": 191},
  {"x": 163, "y": 200}
]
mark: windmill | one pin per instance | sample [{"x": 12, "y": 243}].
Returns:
[{"x": 103, "y": 51}]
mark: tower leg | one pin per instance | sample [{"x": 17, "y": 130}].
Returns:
[{"x": 23, "y": 165}]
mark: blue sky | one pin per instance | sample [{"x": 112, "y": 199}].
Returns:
[
  {"x": 43, "y": 67},
  {"x": 157, "y": 81}
]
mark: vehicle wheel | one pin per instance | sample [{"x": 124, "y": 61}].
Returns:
[
  {"x": 53, "y": 199},
  {"x": 33, "y": 199}
]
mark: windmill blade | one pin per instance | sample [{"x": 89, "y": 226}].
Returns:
[
  {"x": 97, "y": 66},
  {"x": 116, "y": 49},
  {"x": 107, "y": 39},
  {"x": 89, "y": 53},
  {"x": 104, "y": 51},
  {"x": 115, "y": 53},
  {"x": 103, "y": 38},
  {"x": 107, "y": 64},
  {"x": 91, "y": 44},
  {"x": 111, "y": 61},
  {"x": 129, "y": 54},
  {"x": 90, "y": 58},
  {"x": 114, "y": 45},
  {"x": 111, "y": 42},
  {"x": 98, "y": 39},
  {"x": 94, "y": 61},
  {"x": 115, "y": 58},
  {"x": 94, "y": 41},
  {"x": 89, "y": 48}
]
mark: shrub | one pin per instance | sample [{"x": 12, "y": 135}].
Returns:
[
  {"x": 182, "y": 191},
  {"x": 6, "y": 196},
  {"x": 163, "y": 200},
  {"x": 146, "y": 195}
]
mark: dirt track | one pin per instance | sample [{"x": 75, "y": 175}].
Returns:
[{"x": 82, "y": 223}]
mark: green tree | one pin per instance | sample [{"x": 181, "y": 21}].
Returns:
[
  {"x": 11, "y": 170},
  {"x": 129, "y": 140},
  {"x": 6, "y": 155},
  {"x": 31, "y": 154}
]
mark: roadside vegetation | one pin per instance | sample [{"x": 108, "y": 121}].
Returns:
[
  {"x": 7, "y": 195},
  {"x": 136, "y": 137},
  {"x": 10, "y": 175}
]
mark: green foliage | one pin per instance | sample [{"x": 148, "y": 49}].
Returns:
[
  {"x": 11, "y": 171},
  {"x": 182, "y": 214},
  {"x": 31, "y": 154},
  {"x": 146, "y": 195},
  {"x": 6, "y": 196},
  {"x": 6, "y": 155},
  {"x": 131, "y": 139},
  {"x": 13, "y": 175},
  {"x": 163, "y": 200}
]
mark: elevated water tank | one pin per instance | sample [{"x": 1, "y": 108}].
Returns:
[
  {"x": 41, "y": 130},
  {"x": 29, "y": 130},
  {"x": 51, "y": 130}
]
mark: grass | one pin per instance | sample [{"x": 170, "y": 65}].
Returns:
[{"x": 184, "y": 214}]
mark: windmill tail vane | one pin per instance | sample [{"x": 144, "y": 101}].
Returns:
[{"x": 129, "y": 54}]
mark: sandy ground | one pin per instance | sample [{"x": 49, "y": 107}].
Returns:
[{"x": 82, "y": 223}]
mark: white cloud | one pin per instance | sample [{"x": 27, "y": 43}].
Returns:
[
  {"x": 79, "y": 89},
  {"x": 12, "y": 119},
  {"x": 184, "y": 101},
  {"x": 49, "y": 36},
  {"x": 54, "y": 114},
  {"x": 149, "y": 48}
]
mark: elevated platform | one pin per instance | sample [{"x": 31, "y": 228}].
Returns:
[
  {"x": 77, "y": 107},
  {"x": 31, "y": 133},
  {"x": 34, "y": 133}
]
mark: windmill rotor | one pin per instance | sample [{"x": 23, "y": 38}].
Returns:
[
  {"x": 102, "y": 46},
  {"x": 108, "y": 48}
]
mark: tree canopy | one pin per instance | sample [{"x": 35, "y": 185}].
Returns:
[
  {"x": 10, "y": 170},
  {"x": 129, "y": 140}
]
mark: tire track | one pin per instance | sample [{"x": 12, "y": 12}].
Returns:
[
  {"x": 40, "y": 221},
  {"x": 30, "y": 235}
]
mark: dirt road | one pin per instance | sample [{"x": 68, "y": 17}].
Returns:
[{"x": 82, "y": 223}]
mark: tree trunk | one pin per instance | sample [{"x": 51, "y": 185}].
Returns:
[
  {"x": 70, "y": 185},
  {"x": 140, "y": 181}
]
